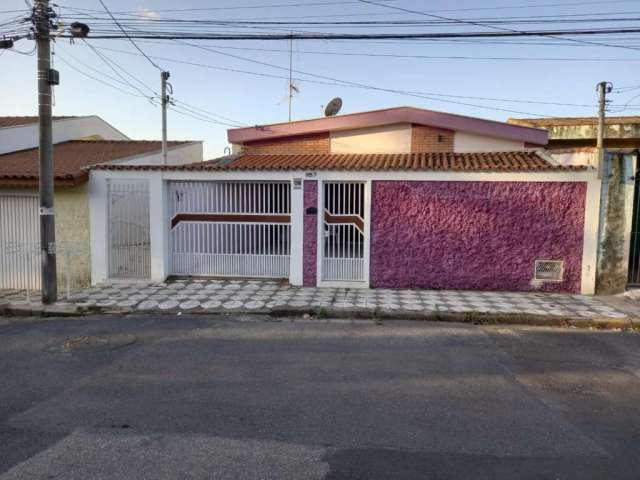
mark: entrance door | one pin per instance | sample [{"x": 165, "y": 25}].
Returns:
[
  {"x": 129, "y": 229},
  {"x": 230, "y": 229},
  {"x": 345, "y": 246}
]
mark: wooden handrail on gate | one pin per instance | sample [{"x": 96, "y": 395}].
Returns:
[
  {"x": 229, "y": 217},
  {"x": 335, "y": 219}
]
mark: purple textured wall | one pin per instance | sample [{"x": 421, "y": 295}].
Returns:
[
  {"x": 475, "y": 235},
  {"x": 310, "y": 234}
]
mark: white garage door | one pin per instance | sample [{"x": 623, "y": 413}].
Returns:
[
  {"x": 230, "y": 229},
  {"x": 19, "y": 241}
]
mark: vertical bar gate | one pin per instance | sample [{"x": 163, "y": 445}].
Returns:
[
  {"x": 343, "y": 252},
  {"x": 129, "y": 229},
  {"x": 19, "y": 242},
  {"x": 230, "y": 229}
]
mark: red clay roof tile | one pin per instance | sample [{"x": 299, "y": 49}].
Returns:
[
  {"x": 525, "y": 161},
  {"x": 71, "y": 158}
]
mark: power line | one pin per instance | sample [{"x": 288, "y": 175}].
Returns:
[
  {"x": 337, "y": 82},
  {"x": 207, "y": 112},
  {"x": 186, "y": 112},
  {"x": 182, "y": 107},
  {"x": 88, "y": 75},
  {"x": 202, "y": 112},
  {"x": 311, "y": 4},
  {"x": 500, "y": 29},
  {"x": 130, "y": 39},
  {"x": 429, "y": 57},
  {"x": 369, "y": 36},
  {"x": 252, "y": 7},
  {"x": 343, "y": 83},
  {"x": 485, "y": 21},
  {"x": 112, "y": 66},
  {"x": 324, "y": 77}
]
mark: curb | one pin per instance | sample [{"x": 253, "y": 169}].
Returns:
[
  {"x": 20, "y": 312},
  {"x": 476, "y": 318}
]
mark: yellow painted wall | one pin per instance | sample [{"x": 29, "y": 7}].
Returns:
[{"x": 72, "y": 230}]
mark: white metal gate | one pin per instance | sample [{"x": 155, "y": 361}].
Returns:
[
  {"x": 19, "y": 242},
  {"x": 344, "y": 249},
  {"x": 230, "y": 229},
  {"x": 129, "y": 229}
]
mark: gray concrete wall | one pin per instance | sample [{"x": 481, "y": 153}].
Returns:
[
  {"x": 615, "y": 231},
  {"x": 567, "y": 132}
]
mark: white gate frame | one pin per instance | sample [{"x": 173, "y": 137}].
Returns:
[{"x": 367, "y": 236}]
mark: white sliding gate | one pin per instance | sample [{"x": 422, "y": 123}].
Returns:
[
  {"x": 19, "y": 242},
  {"x": 129, "y": 229},
  {"x": 344, "y": 248},
  {"x": 230, "y": 229}
]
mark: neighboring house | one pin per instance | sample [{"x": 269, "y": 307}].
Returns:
[
  {"x": 20, "y": 133},
  {"x": 572, "y": 141},
  {"x": 19, "y": 204},
  {"x": 395, "y": 198}
]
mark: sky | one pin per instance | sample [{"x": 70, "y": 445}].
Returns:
[{"x": 241, "y": 91}]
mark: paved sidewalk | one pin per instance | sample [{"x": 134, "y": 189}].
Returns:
[{"x": 207, "y": 295}]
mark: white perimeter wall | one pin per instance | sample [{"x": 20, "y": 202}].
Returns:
[
  {"x": 469, "y": 142},
  {"x": 160, "y": 222},
  {"x": 22, "y": 137}
]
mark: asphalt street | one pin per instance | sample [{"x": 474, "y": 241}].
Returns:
[{"x": 211, "y": 397}]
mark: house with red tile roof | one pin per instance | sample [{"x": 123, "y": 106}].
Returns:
[
  {"x": 79, "y": 142},
  {"x": 395, "y": 198}
]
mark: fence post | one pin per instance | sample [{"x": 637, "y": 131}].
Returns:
[
  {"x": 297, "y": 231},
  {"x": 159, "y": 229}
]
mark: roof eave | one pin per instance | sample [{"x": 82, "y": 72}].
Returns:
[
  {"x": 24, "y": 181},
  {"x": 447, "y": 121}
]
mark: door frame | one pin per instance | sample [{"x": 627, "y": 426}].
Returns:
[{"x": 367, "y": 237}]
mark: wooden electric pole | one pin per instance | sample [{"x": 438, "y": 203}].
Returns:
[{"x": 46, "y": 77}]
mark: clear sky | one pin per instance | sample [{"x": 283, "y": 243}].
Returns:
[{"x": 252, "y": 99}]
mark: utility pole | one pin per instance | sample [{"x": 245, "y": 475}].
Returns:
[
  {"x": 164, "y": 76},
  {"x": 603, "y": 89},
  {"x": 46, "y": 77}
]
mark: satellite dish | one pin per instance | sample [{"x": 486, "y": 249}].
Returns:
[{"x": 333, "y": 107}]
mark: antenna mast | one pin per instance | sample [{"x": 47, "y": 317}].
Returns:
[{"x": 290, "y": 73}]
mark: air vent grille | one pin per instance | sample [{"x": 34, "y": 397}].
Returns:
[{"x": 549, "y": 270}]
